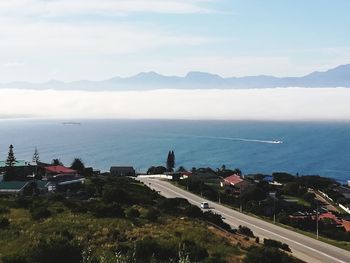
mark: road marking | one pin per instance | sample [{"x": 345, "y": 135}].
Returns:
[{"x": 264, "y": 230}]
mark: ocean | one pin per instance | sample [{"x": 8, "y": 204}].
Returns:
[{"x": 307, "y": 148}]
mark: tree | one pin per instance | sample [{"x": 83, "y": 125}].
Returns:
[
  {"x": 10, "y": 171},
  {"x": 78, "y": 165},
  {"x": 36, "y": 157},
  {"x": 170, "y": 162},
  {"x": 56, "y": 162},
  {"x": 11, "y": 159}
]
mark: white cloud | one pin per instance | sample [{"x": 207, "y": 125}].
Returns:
[
  {"x": 13, "y": 64},
  {"x": 102, "y": 7},
  {"x": 261, "y": 104},
  {"x": 54, "y": 38}
]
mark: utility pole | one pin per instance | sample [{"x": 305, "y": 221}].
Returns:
[
  {"x": 273, "y": 196},
  {"x": 274, "y": 210},
  {"x": 316, "y": 218},
  {"x": 240, "y": 200},
  {"x": 219, "y": 198}
]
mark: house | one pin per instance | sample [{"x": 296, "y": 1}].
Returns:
[
  {"x": 232, "y": 180},
  {"x": 186, "y": 174},
  {"x": 234, "y": 184},
  {"x": 22, "y": 168},
  {"x": 58, "y": 169},
  {"x": 63, "y": 182},
  {"x": 13, "y": 187},
  {"x": 122, "y": 171}
]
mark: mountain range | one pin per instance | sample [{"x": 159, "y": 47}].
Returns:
[{"x": 336, "y": 77}]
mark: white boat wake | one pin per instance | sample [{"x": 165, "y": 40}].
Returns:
[{"x": 233, "y": 139}]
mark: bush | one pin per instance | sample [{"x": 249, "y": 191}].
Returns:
[
  {"x": 217, "y": 220},
  {"x": 40, "y": 212},
  {"x": 132, "y": 212},
  {"x": 4, "y": 210},
  {"x": 173, "y": 205},
  {"x": 276, "y": 244},
  {"x": 15, "y": 259},
  {"x": 4, "y": 222},
  {"x": 156, "y": 170},
  {"x": 193, "y": 212},
  {"x": 283, "y": 177},
  {"x": 56, "y": 250},
  {"x": 245, "y": 231},
  {"x": 107, "y": 210},
  {"x": 308, "y": 196},
  {"x": 268, "y": 255},
  {"x": 114, "y": 194},
  {"x": 195, "y": 252},
  {"x": 148, "y": 248},
  {"x": 152, "y": 214}
]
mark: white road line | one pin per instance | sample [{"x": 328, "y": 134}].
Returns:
[{"x": 262, "y": 229}]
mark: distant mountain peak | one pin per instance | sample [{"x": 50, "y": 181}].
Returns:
[
  {"x": 335, "y": 77},
  {"x": 201, "y": 74}
]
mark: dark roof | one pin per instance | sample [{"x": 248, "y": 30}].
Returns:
[
  {"x": 41, "y": 164},
  {"x": 41, "y": 184},
  {"x": 13, "y": 185},
  {"x": 66, "y": 179},
  {"x": 18, "y": 163},
  {"x": 122, "y": 169}
]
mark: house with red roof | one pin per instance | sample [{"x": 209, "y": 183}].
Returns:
[
  {"x": 234, "y": 184},
  {"x": 232, "y": 180},
  {"x": 57, "y": 170}
]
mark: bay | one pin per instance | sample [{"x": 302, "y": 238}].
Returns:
[{"x": 311, "y": 148}]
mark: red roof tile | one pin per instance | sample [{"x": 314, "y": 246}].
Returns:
[
  {"x": 233, "y": 179},
  {"x": 59, "y": 169}
]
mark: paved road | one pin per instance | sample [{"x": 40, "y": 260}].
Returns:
[{"x": 303, "y": 247}]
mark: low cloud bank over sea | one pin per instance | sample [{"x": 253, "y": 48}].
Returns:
[{"x": 252, "y": 104}]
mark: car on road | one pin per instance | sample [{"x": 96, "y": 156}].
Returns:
[{"x": 205, "y": 205}]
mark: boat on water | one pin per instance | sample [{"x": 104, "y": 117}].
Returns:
[
  {"x": 71, "y": 123},
  {"x": 277, "y": 142}
]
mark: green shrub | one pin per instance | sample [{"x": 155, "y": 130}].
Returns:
[
  {"x": 148, "y": 249},
  {"x": 276, "y": 244},
  {"x": 15, "y": 258},
  {"x": 4, "y": 210},
  {"x": 268, "y": 255},
  {"x": 245, "y": 231},
  {"x": 4, "y": 222},
  {"x": 193, "y": 212},
  {"x": 107, "y": 210},
  {"x": 132, "y": 212},
  {"x": 195, "y": 252},
  {"x": 216, "y": 219},
  {"x": 152, "y": 214},
  {"x": 56, "y": 250},
  {"x": 40, "y": 212}
]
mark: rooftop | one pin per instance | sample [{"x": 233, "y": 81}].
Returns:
[
  {"x": 12, "y": 185},
  {"x": 233, "y": 179},
  {"x": 19, "y": 163},
  {"x": 59, "y": 169}
]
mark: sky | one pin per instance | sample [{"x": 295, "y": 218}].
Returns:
[{"x": 72, "y": 40}]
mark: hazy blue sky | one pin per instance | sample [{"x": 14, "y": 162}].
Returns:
[{"x": 99, "y": 39}]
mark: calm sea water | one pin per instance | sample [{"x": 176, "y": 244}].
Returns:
[{"x": 307, "y": 148}]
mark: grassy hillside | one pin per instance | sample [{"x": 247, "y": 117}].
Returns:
[{"x": 118, "y": 220}]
